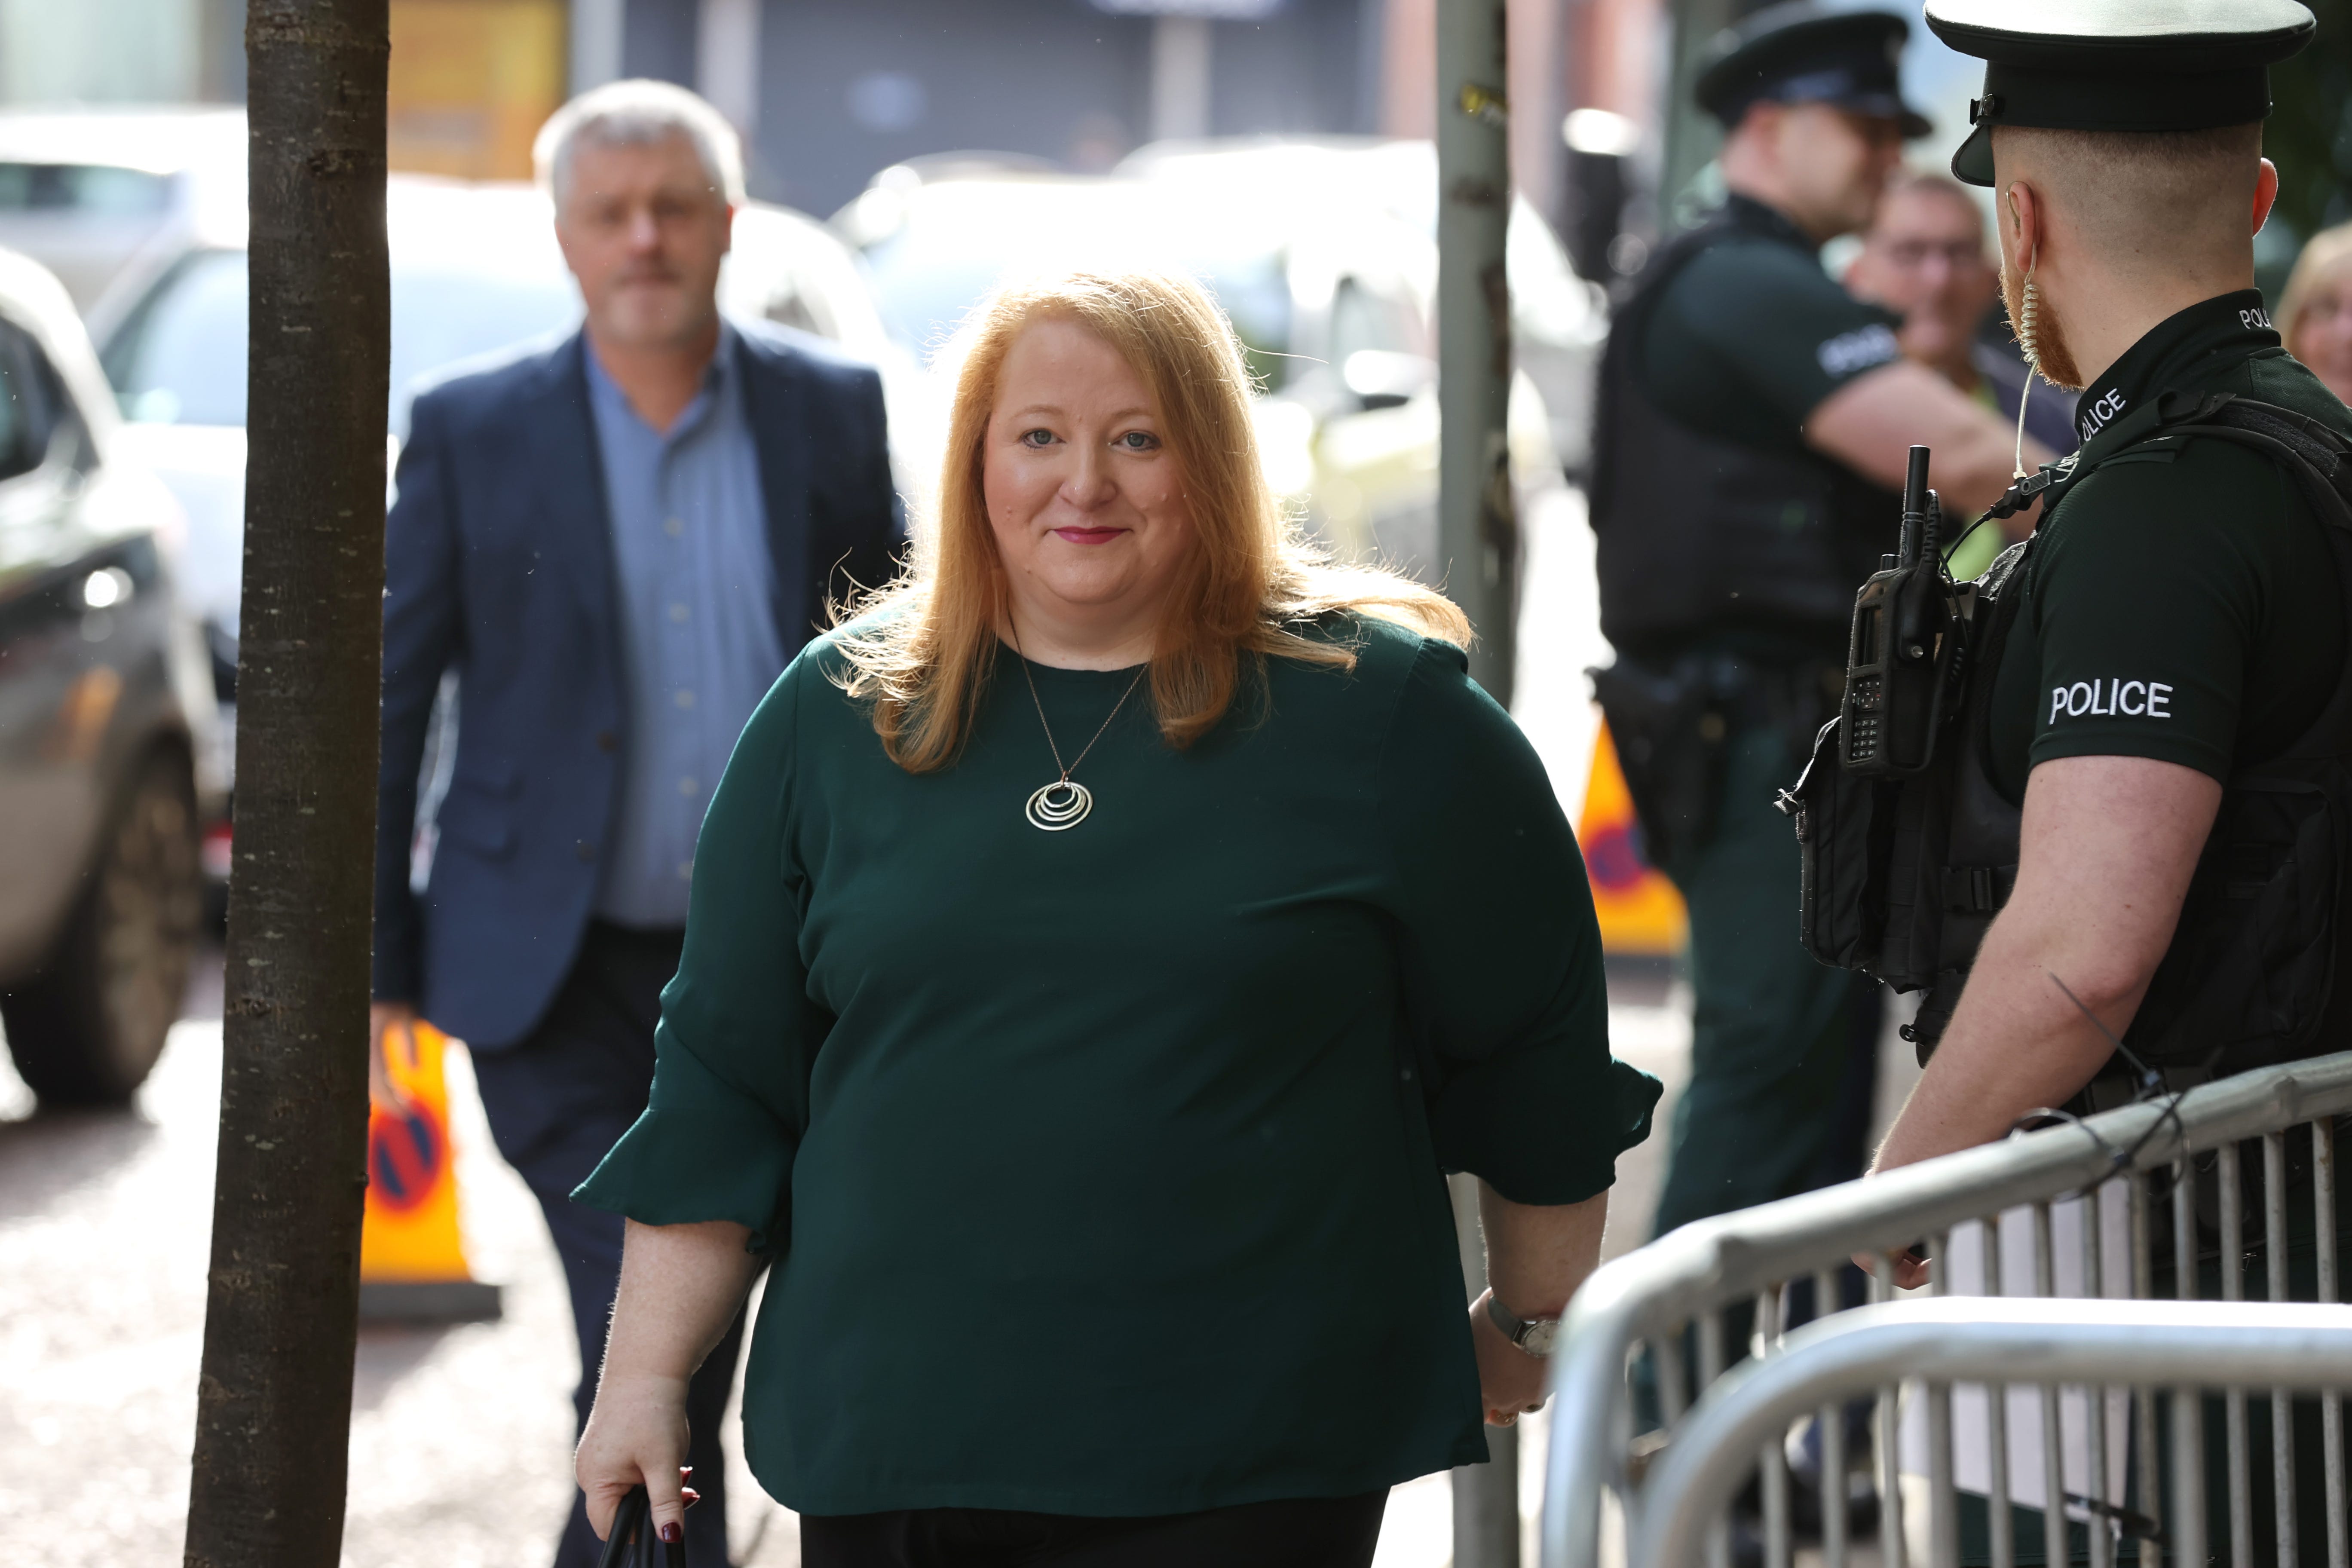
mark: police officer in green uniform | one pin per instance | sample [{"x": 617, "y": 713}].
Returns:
[
  {"x": 1752, "y": 417},
  {"x": 2170, "y": 700}
]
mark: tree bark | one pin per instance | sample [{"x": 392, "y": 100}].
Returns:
[
  {"x": 1478, "y": 520},
  {"x": 273, "y": 1410}
]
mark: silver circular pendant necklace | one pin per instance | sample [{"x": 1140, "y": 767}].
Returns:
[{"x": 1061, "y": 805}]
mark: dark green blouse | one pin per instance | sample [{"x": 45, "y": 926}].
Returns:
[{"x": 1102, "y": 1167}]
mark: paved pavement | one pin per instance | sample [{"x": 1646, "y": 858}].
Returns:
[{"x": 459, "y": 1437}]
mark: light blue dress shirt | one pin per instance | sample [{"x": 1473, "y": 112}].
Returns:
[{"x": 698, "y": 639}]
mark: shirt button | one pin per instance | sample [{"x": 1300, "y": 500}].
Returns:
[
  {"x": 684, "y": 698},
  {"x": 585, "y": 850},
  {"x": 688, "y": 785},
  {"x": 674, "y": 527},
  {"x": 678, "y": 613},
  {"x": 607, "y": 742}
]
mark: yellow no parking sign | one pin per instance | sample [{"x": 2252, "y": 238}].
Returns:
[{"x": 412, "y": 1257}]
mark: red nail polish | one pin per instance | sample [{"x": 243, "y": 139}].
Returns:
[{"x": 671, "y": 1535}]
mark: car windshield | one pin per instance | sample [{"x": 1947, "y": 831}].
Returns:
[
  {"x": 82, "y": 188},
  {"x": 948, "y": 245},
  {"x": 180, "y": 359}
]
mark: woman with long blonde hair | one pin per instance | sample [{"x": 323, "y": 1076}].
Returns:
[{"x": 1101, "y": 946}]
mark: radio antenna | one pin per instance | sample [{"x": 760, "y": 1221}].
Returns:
[{"x": 1914, "y": 507}]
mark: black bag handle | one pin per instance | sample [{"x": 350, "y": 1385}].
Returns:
[{"x": 632, "y": 1543}]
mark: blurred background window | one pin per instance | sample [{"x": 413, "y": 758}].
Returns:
[
  {"x": 82, "y": 188},
  {"x": 941, "y": 247},
  {"x": 182, "y": 358}
]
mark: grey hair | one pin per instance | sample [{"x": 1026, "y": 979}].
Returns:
[{"x": 637, "y": 114}]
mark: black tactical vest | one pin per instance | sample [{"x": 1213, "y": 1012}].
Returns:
[
  {"x": 1902, "y": 877},
  {"x": 1697, "y": 535}
]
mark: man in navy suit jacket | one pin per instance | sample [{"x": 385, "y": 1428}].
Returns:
[{"x": 616, "y": 544}]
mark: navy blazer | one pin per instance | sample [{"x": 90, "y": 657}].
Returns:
[{"x": 499, "y": 564}]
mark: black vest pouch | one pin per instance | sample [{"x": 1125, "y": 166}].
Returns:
[
  {"x": 1970, "y": 867},
  {"x": 2252, "y": 968},
  {"x": 1843, "y": 824},
  {"x": 1670, "y": 722}
]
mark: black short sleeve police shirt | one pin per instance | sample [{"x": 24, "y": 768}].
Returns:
[
  {"x": 2181, "y": 604},
  {"x": 1750, "y": 338}
]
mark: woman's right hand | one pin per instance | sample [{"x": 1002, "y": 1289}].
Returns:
[{"x": 637, "y": 1434}]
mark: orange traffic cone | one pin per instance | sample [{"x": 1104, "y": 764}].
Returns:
[
  {"x": 412, "y": 1261},
  {"x": 1640, "y": 914}
]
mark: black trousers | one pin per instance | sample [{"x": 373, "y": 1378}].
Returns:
[
  {"x": 1311, "y": 1532},
  {"x": 557, "y": 1102}
]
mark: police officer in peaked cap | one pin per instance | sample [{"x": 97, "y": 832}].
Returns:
[
  {"x": 1753, "y": 416},
  {"x": 2159, "y": 724}
]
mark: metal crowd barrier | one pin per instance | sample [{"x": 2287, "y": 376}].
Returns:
[
  {"x": 2183, "y": 1346},
  {"x": 2080, "y": 1200}
]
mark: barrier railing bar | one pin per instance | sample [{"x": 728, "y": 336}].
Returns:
[
  {"x": 2233, "y": 1288},
  {"x": 2054, "y": 1446},
  {"x": 1887, "y": 1435},
  {"x": 1942, "y": 1484},
  {"x": 1774, "y": 1457},
  {"x": 2004, "y": 1539},
  {"x": 1836, "y": 1497},
  {"x": 1710, "y": 1367},
  {"x": 2069, "y": 1341},
  {"x": 2282, "y": 1404},
  {"x": 2331, "y": 1405},
  {"x": 2187, "y": 1525},
  {"x": 2143, "y": 1288},
  {"x": 2094, "y": 1398},
  {"x": 2189, "y": 1476}
]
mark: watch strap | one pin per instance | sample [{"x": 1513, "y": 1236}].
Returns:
[{"x": 1533, "y": 1335}]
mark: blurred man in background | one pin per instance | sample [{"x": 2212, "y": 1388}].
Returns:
[
  {"x": 1923, "y": 258},
  {"x": 616, "y": 543},
  {"x": 1754, "y": 421}
]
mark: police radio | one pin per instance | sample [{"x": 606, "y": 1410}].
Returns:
[{"x": 1905, "y": 645}]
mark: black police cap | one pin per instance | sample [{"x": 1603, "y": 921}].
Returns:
[
  {"x": 2117, "y": 65},
  {"x": 1801, "y": 51}
]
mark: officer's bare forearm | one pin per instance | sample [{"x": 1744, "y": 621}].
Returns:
[
  {"x": 1538, "y": 1253},
  {"x": 2108, "y": 846},
  {"x": 1871, "y": 424}
]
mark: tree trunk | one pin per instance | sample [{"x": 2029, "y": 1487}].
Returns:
[
  {"x": 273, "y": 1412},
  {"x": 1477, "y": 521}
]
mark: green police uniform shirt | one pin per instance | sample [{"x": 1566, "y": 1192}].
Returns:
[
  {"x": 1102, "y": 1168},
  {"x": 1751, "y": 337},
  {"x": 2181, "y": 604}
]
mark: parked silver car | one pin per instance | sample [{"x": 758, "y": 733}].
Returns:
[
  {"x": 109, "y": 752},
  {"x": 1558, "y": 321},
  {"x": 88, "y": 193}
]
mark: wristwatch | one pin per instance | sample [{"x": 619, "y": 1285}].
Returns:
[{"x": 1533, "y": 1335}]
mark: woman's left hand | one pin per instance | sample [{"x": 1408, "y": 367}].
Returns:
[{"x": 1510, "y": 1381}]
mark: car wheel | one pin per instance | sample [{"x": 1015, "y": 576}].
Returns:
[{"x": 86, "y": 1030}]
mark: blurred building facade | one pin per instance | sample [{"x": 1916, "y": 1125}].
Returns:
[{"x": 828, "y": 92}]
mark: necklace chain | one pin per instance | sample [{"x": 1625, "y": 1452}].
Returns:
[{"x": 1069, "y": 768}]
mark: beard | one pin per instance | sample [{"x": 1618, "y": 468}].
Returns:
[{"x": 2047, "y": 348}]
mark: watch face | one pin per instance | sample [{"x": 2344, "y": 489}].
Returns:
[{"x": 1537, "y": 1339}]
